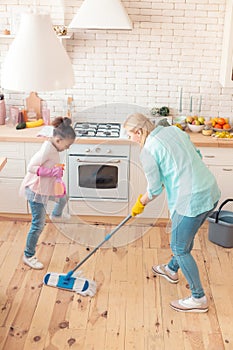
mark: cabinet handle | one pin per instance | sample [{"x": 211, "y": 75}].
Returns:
[
  {"x": 209, "y": 156},
  {"x": 225, "y": 169}
]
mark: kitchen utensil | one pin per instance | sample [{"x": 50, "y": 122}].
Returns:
[{"x": 33, "y": 103}]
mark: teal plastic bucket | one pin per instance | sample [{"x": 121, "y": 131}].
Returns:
[{"x": 221, "y": 226}]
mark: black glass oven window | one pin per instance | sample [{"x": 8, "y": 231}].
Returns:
[{"x": 98, "y": 176}]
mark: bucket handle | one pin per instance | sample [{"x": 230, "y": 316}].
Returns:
[{"x": 223, "y": 203}]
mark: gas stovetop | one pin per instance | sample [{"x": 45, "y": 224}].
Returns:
[{"x": 106, "y": 130}]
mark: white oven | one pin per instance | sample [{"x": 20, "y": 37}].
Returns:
[{"x": 98, "y": 171}]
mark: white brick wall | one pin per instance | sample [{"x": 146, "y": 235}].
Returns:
[{"x": 173, "y": 44}]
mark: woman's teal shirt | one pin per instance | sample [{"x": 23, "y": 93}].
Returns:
[{"x": 170, "y": 160}]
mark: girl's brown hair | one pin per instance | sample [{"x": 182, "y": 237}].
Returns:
[
  {"x": 63, "y": 129},
  {"x": 138, "y": 121}
]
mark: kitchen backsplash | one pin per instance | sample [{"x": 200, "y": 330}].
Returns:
[
  {"x": 173, "y": 44},
  {"x": 114, "y": 112}
]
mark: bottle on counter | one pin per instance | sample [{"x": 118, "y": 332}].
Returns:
[
  {"x": 20, "y": 117},
  {"x": 68, "y": 108},
  {"x": 2, "y": 110},
  {"x": 12, "y": 120},
  {"x": 45, "y": 113}
]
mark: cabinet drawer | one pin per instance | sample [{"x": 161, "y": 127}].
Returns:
[
  {"x": 217, "y": 156},
  {"x": 11, "y": 202},
  {"x": 14, "y": 168},
  {"x": 12, "y": 150}
]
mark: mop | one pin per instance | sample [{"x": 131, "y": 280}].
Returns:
[{"x": 74, "y": 281}]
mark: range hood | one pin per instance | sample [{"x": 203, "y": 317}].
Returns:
[{"x": 101, "y": 14}]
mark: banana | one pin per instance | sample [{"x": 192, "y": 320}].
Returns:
[
  {"x": 223, "y": 135},
  {"x": 35, "y": 123}
]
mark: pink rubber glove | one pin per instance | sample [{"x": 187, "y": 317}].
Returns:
[{"x": 56, "y": 171}]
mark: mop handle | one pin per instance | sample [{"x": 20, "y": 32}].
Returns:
[{"x": 106, "y": 238}]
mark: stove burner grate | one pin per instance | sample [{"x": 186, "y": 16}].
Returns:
[{"x": 107, "y": 130}]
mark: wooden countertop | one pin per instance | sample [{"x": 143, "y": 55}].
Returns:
[
  {"x": 10, "y": 134},
  {"x": 208, "y": 141}
]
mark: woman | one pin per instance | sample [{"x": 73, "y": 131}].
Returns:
[{"x": 171, "y": 162}]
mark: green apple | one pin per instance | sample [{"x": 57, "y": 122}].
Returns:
[{"x": 197, "y": 122}]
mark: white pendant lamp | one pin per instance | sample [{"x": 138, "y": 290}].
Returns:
[
  {"x": 101, "y": 14},
  {"x": 36, "y": 60}
]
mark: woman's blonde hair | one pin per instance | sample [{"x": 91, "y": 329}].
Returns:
[{"x": 138, "y": 121}]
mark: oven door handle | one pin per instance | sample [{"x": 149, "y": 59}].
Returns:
[{"x": 96, "y": 162}]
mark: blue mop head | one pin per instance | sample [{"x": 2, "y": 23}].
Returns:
[{"x": 76, "y": 283}]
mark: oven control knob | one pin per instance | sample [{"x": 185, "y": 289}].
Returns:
[
  {"x": 97, "y": 149},
  {"x": 87, "y": 150}
]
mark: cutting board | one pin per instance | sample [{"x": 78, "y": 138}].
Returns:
[{"x": 33, "y": 103}]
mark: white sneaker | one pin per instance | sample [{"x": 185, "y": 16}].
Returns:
[
  {"x": 164, "y": 271},
  {"x": 63, "y": 218},
  {"x": 190, "y": 304},
  {"x": 33, "y": 262}
]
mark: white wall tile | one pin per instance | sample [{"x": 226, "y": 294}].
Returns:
[{"x": 173, "y": 44}]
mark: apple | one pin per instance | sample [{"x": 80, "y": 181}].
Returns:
[
  {"x": 197, "y": 122},
  {"x": 189, "y": 120}
]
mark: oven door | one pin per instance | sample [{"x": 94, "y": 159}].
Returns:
[{"x": 98, "y": 178}]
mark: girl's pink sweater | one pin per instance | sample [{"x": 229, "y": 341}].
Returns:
[{"x": 48, "y": 157}]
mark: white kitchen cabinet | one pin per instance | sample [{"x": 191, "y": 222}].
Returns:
[
  {"x": 10, "y": 201},
  {"x": 18, "y": 156},
  {"x": 220, "y": 163},
  {"x": 11, "y": 177},
  {"x": 158, "y": 208}
]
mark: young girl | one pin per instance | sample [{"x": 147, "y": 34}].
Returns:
[
  {"x": 171, "y": 161},
  {"x": 39, "y": 184}
]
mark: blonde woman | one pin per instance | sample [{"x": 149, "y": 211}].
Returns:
[{"x": 170, "y": 161}]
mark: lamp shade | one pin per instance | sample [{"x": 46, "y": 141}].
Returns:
[
  {"x": 101, "y": 14},
  {"x": 36, "y": 60}
]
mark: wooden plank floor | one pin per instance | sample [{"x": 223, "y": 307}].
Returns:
[{"x": 131, "y": 307}]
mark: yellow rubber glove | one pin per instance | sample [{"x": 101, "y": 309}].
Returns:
[{"x": 138, "y": 207}]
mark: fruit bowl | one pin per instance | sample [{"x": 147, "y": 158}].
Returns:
[
  {"x": 195, "y": 128},
  {"x": 216, "y": 129},
  {"x": 180, "y": 122}
]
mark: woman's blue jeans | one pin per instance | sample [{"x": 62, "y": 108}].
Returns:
[
  {"x": 183, "y": 233},
  {"x": 38, "y": 222}
]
